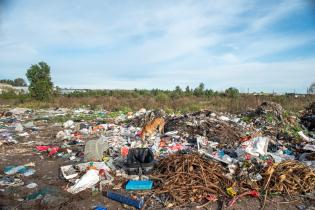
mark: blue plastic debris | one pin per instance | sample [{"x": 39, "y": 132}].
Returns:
[
  {"x": 139, "y": 185},
  {"x": 100, "y": 207},
  {"x": 26, "y": 171},
  {"x": 287, "y": 152},
  {"x": 221, "y": 153},
  {"x": 41, "y": 193},
  {"x": 138, "y": 203}
]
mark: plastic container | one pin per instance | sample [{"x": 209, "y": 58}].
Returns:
[
  {"x": 139, "y": 185},
  {"x": 94, "y": 149}
]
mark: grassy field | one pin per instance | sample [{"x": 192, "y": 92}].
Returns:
[{"x": 181, "y": 103}]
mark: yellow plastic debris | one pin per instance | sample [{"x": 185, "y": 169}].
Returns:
[{"x": 231, "y": 192}]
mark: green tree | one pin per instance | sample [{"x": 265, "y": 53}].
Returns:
[
  {"x": 16, "y": 82},
  {"x": 187, "y": 89},
  {"x": 7, "y": 81},
  {"x": 311, "y": 89},
  {"x": 232, "y": 92},
  {"x": 209, "y": 92},
  {"x": 199, "y": 91},
  {"x": 41, "y": 87},
  {"x": 19, "y": 82},
  {"x": 178, "y": 90}
]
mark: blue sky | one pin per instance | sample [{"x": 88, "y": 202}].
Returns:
[{"x": 261, "y": 45}]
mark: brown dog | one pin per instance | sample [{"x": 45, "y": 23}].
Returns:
[{"x": 151, "y": 127}]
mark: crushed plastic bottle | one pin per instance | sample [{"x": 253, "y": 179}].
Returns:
[{"x": 94, "y": 149}]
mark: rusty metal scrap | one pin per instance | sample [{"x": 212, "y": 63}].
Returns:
[{"x": 189, "y": 178}]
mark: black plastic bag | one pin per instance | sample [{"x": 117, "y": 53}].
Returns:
[
  {"x": 137, "y": 156},
  {"x": 140, "y": 161}
]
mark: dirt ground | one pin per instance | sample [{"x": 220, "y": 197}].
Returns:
[{"x": 47, "y": 175}]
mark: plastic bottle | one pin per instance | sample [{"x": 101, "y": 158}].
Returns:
[{"x": 94, "y": 149}]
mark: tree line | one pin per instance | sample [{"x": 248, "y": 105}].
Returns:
[
  {"x": 18, "y": 82},
  {"x": 41, "y": 88},
  {"x": 158, "y": 93}
]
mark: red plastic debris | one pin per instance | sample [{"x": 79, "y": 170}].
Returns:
[
  {"x": 252, "y": 193},
  {"x": 51, "y": 149},
  {"x": 211, "y": 197},
  {"x": 124, "y": 151}
]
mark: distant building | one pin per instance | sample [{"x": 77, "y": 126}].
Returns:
[
  {"x": 68, "y": 90},
  {"x": 7, "y": 87},
  {"x": 21, "y": 89},
  {"x": 296, "y": 95}
]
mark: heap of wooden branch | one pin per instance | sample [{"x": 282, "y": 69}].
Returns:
[
  {"x": 289, "y": 177},
  {"x": 189, "y": 178}
]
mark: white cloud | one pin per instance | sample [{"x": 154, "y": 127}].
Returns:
[
  {"x": 138, "y": 44},
  {"x": 276, "y": 12}
]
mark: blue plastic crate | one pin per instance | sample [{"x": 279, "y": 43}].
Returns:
[{"x": 139, "y": 185}]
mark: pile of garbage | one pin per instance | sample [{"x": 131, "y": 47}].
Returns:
[
  {"x": 201, "y": 157},
  {"x": 269, "y": 117},
  {"x": 269, "y": 107},
  {"x": 217, "y": 128},
  {"x": 308, "y": 117},
  {"x": 142, "y": 117}
]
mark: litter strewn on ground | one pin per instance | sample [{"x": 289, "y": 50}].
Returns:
[{"x": 56, "y": 155}]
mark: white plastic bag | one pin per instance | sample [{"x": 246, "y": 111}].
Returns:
[
  {"x": 310, "y": 147},
  {"x": 306, "y": 138},
  {"x": 256, "y": 146},
  {"x": 68, "y": 124},
  {"x": 88, "y": 180}
]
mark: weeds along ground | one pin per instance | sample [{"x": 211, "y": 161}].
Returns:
[{"x": 182, "y": 104}]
